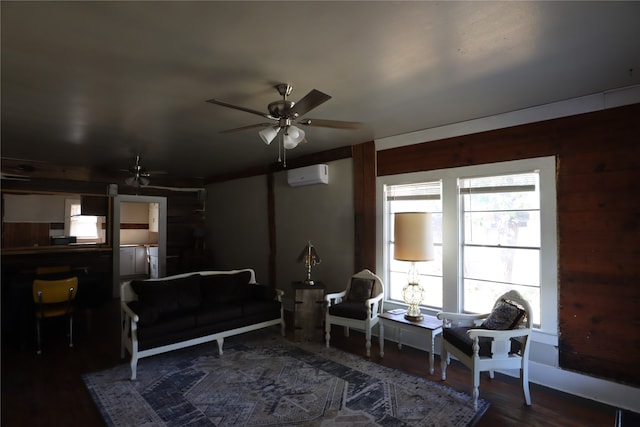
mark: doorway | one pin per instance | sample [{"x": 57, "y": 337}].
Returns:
[{"x": 161, "y": 234}]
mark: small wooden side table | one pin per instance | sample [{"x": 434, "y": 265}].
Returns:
[
  {"x": 428, "y": 327},
  {"x": 308, "y": 311}
]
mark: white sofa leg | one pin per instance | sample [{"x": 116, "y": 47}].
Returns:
[
  {"x": 220, "y": 342},
  {"x": 327, "y": 333},
  {"x": 134, "y": 366}
]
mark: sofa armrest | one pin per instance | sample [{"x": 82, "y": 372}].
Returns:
[{"x": 130, "y": 313}]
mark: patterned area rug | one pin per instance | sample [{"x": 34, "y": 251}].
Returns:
[{"x": 270, "y": 381}]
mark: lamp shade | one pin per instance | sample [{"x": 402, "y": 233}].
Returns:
[
  {"x": 268, "y": 134},
  {"x": 292, "y": 137},
  {"x": 413, "y": 240}
]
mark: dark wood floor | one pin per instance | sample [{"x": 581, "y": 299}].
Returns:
[{"x": 47, "y": 390}]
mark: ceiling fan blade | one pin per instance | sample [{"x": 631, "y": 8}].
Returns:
[
  {"x": 336, "y": 124},
  {"x": 309, "y": 102},
  {"x": 259, "y": 125},
  {"x": 236, "y": 107}
]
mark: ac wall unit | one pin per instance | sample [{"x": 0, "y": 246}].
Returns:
[{"x": 309, "y": 175}]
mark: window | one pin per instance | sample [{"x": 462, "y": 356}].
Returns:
[
  {"x": 421, "y": 197},
  {"x": 494, "y": 230},
  {"x": 501, "y": 239},
  {"x": 84, "y": 227}
]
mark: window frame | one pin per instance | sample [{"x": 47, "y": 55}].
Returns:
[{"x": 452, "y": 265}]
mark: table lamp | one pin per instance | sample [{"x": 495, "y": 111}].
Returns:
[
  {"x": 310, "y": 258},
  {"x": 413, "y": 242}
]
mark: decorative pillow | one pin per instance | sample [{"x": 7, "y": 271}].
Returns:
[
  {"x": 171, "y": 295},
  {"x": 188, "y": 290},
  {"x": 223, "y": 288},
  {"x": 505, "y": 315},
  {"x": 360, "y": 289},
  {"x": 159, "y": 294}
]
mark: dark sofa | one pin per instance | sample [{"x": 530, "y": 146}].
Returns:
[{"x": 160, "y": 315}]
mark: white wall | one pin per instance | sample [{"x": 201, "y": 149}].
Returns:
[
  {"x": 238, "y": 226},
  {"x": 238, "y": 234},
  {"x": 135, "y": 213},
  {"x": 323, "y": 214}
]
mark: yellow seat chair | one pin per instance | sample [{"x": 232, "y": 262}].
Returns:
[{"x": 54, "y": 298}]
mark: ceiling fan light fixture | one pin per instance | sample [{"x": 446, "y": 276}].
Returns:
[
  {"x": 137, "y": 181},
  {"x": 268, "y": 134},
  {"x": 292, "y": 137}
]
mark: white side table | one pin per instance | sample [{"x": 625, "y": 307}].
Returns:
[{"x": 429, "y": 327}]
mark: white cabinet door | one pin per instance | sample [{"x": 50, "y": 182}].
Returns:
[
  {"x": 127, "y": 261},
  {"x": 133, "y": 261},
  {"x": 141, "y": 262}
]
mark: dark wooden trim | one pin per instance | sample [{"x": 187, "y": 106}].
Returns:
[
  {"x": 271, "y": 218},
  {"x": 134, "y": 226},
  {"x": 364, "y": 204}
]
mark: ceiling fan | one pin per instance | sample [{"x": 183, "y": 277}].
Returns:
[
  {"x": 139, "y": 175},
  {"x": 140, "y": 178},
  {"x": 282, "y": 114}
]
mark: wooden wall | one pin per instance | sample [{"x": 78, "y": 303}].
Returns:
[{"x": 598, "y": 191}]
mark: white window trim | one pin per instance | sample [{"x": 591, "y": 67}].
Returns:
[{"x": 548, "y": 332}]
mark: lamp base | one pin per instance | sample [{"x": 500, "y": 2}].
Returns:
[{"x": 417, "y": 318}]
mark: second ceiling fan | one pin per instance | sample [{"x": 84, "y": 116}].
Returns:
[{"x": 282, "y": 114}]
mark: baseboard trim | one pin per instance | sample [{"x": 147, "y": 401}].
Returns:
[
  {"x": 581, "y": 385},
  {"x": 610, "y": 393}
]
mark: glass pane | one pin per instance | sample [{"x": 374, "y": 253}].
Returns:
[
  {"x": 82, "y": 226},
  {"x": 510, "y": 228},
  {"x": 420, "y": 197},
  {"x": 518, "y": 266}
]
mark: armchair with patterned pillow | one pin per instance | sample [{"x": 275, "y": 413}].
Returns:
[
  {"x": 485, "y": 342},
  {"x": 357, "y": 307}
]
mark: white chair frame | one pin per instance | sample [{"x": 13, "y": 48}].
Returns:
[
  {"x": 374, "y": 309},
  {"x": 500, "y": 347}
]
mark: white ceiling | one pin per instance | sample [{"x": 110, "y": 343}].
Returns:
[{"x": 93, "y": 84}]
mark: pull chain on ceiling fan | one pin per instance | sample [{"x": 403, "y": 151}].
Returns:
[{"x": 283, "y": 112}]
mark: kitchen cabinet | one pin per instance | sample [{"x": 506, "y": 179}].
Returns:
[
  {"x": 154, "y": 213},
  {"x": 133, "y": 261},
  {"x": 94, "y": 205}
]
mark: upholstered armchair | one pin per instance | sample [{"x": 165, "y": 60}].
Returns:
[
  {"x": 486, "y": 342},
  {"x": 357, "y": 307}
]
